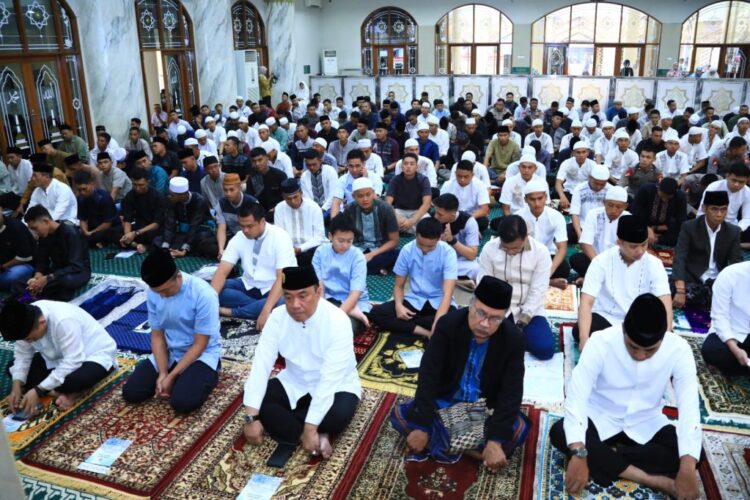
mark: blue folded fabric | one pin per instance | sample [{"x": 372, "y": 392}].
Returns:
[
  {"x": 122, "y": 331},
  {"x": 107, "y": 300}
]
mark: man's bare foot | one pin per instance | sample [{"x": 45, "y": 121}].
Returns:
[
  {"x": 225, "y": 311},
  {"x": 326, "y": 450},
  {"x": 65, "y": 401},
  {"x": 745, "y": 246},
  {"x": 560, "y": 283},
  {"x": 423, "y": 332},
  {"x": 140, "y": 248}
]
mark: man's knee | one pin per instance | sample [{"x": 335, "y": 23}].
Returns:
[
  {"x": 557, "y": 436},
  {"x": 186, "y": 402},
  {"x": 341, "y": 412},
  {"x": 132, "y": 392}
]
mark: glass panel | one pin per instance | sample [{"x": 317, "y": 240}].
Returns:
[
  {"x": 379, "y": 29},
  {"x": 739, "y": 23},
  {"x": 9, "y": 37},
  {"x": 506, "y": 30},
  {"x": 537, "y": 31},
  {"x": 605, "y": 61},
  {"x": 735, "y": 62},
  {"x": 412, "y": 59},
  {"x": 442, "y": 59},
  {"x": 608, "y": 23},
  {"x": 442, "y": 29},
  {"x": 170, "y": 16},
  {"x": 712, "y": 23},
  {"x": 47, "y": 84},
  {"x": 399, "y": 60},
  {"x": 78, "y": 109},
  {"x": 558, "y": 26},
  {"x": 634, "y": 26},
  {"x": 506, "y": 58},
  {"x": 582, "y": 23},
  {"x": 460, "y": 24},
  {"x": 382, "y": 61},
  {"x": 367, "y": 65},
  {"x": 39, "y": 25},
  {"x": 191, "y": 79},
  {"x": 174, "y": 83},
  {"x": 401, "y": 29},
  {"x": 460, "y": 60},
  {"x": 556, "y": 59},
  {"x": 186, "y": 25},
  {"x": 651, "y": 63},
  {"x": 537, "y": 59},
  {"x": 633, "y": 55},
  {"x": 486, "y": 59},
  {"x": 67, "y": 28},
  {"x": 686, "y": 58},
  {"x": 15, "y": 111},
  {"x": 580, "y": 60},
  {"x": 706, "y": 57},
  {"x": 654, "y": 31},
  {"x": 688, "y": 29},
  {"x": 148, "y": 25},
  {"x": 486, "y": 24}
]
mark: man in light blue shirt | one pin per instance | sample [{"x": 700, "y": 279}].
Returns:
[
  {"x": 183, "y": 315},
  {"x": 430, "y": 265}
]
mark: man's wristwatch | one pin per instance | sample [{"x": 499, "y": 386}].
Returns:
[
  {"x": 453, "y": 241},
  {"x": 249, "y": 419},
  {"x": 580, "y": 452}
]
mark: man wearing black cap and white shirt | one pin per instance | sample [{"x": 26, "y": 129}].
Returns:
[
  {"x": 185, "y": 338},
  {"x": 706, "y": 245},
  {"x": 55, "y": 196},
  {"x": 183, "y": 223},
  {"x": 616, "y": 277},
  {"x": 735, "y": 185},
  {"x": 20, "y": 171},
  {"x": 663, "y": 208},
  {"x": 476, "y": 352},
  {"x": 302, "y": 219},
  {"x": 614, "y": 427},
  {"x": 59, "y": 349},
  {"x": 318, "y": 391}
]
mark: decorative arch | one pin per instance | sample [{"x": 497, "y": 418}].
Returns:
[
  {"x": 248, "y": 30},
  {"x": 595, "y": 40},
  {"x": 389, "y": 42},
  {"x": 717, "y": 35}
]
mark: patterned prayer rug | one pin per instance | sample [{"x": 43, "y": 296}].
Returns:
[
  {"x": 163, "y": 442},
  {"x": 550, "y": 475},
  {"x": 132, "y": 265},
  {"x": 223, "y": 466},
  {"x": 52, "y": 417},
  {"x": 364, "y": 340},
  {"x": 725, "y": 454},
  {"x": 383, "y": 369},
  {"x": 380, "y": 288},
  {"x": 42, "y": 490},
  {"x": 561, "y": 303},
  {"x": 700, "y": 321},
  {"x": 385, "y": 475},
  {"x": 6, "y": 356},
  {"x": 665, "y": 255},
  {"x": 239, "y": 337}
]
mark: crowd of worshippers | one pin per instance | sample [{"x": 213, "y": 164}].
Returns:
[{"x": 309, "y": 198}]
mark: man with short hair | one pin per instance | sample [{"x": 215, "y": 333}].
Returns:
[
  {"x": 341, "y": 147},
  {"x": 157, "y": 176},
  {"x": 99, "y": 221},
  {"x": 17, "y": 247},
  {"x": 385, "y": 147},
  {"x": 72, "y": 143},
  {"x": 302, "y": 219},
  {"x": 143, "y": 211},
  {"x": 56, "y": 197},
  {"x": 212, "y": 183},
  {"x": 319, "y": 183},
  {"x": 20, "y": 172},
  {"x": 162, "y": 156},
  {"x": 425, "y": 166},
  {"x": 471, "y": 193},
  {"x": 136, "y": 143},
  {"x": 191, "y": 170},
  {"x": 113, "y": 180},
  {"x": 184, "y": 222},
  {"x": 264, "y": 182},
  {"x": 643, "y": 174},
  {"x": 356, "y": 169},
  {"x": 663, "y": 208},
  {"x": 460, "y": 231},
  {"x": 174, "y": 123},
  {"x": 735, "y": 186},
  {"x": 573, "y": 172},
  {"x": 430, "y": 266},
  {"x": 501, "y": 152},
  {"x": 234, "y": 161},
  {"x": 409, "y": 193},
  {"x": 104, "y": 144}
]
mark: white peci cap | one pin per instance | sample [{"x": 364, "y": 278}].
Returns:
[
  {"x": 600, "y": 173},
  {"x": 178, "y": 185}
]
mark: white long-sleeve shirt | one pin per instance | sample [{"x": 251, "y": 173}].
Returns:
[
  {"x": 572, "y": 174},
  {"x": 730, "y": 316},
  {"x": 527, "y": 272},
  {"x": 737, "y": 201},
  {"x": 618, "y": 162},
  {"x": 59, "y": 201},
  {"x": 443, "y": 140},
  {"x": 20, "y": 176},
  {"x": 284, "y": 163},
  {"x": 319, "y": 356},
  {"x": 330, "y": 185},
  {"x": 512, "y": 193},
  {"x": 672, "y": 166},
  {"x": 304, "y": 224},
  {"x": 620, "y": 394},
  {"x": 426, "y": 167},
  {"x": 598, "y": 230},
  {"x": 544, "y": 138},
  {"x": 375, "y": 164},
  {"x": 73, "y": 337}
]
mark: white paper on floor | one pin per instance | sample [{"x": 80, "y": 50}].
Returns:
[{"x": 543, "y": 382}]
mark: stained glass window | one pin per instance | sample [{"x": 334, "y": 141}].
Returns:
[
  {"x": 388, "y": 31},
  {"x": 247, "y": 27}
]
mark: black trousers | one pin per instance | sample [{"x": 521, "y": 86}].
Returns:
[
  {"x": 597, "y": 323},
  {"x": 745, "y": 236},
  {"x": 608, "y": 459},
  {"x": 285, "y": 425},
  {"x": 203, "y": 243},
  {"x": 85, "y": 377},
  {"x": 189, "y": 392},
  {"x": 482, "y": 222},
  {"x": 62, "y": 288},
  {"x": 715, "y": 352},
  {"x": 106, "y": 237},
  {"x": 384, "y": 315},
  {"x": 562, "y": 271},
  {"x": 10, "y": 201},
  {"x": 305, "y": 258},
  {"x": 356, "y": 324},
  {"x": 580, "y": 263},
  {"x": 572, "y": 235}
]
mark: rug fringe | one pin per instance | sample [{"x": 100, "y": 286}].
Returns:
[
  {"x": 74, "y": 483},
  {"x": 388, "y": 387}
]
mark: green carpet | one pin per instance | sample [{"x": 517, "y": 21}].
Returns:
[
  {"x": 380, "y": 288},
  {"x": 132, "y": 265}
]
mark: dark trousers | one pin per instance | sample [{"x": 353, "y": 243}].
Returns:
[
  {"x": 147, "y": 237},
  {"x": 580, "y": 263},
  {"x": 10, "y": 201},
  {"x": 483, "y": 223},
  {"x": 189, "y": 392},
  {"x": 384, "y": 315},
  {"x": 203, "y": 243},
  {"x": 110, "y": 236},
  {"x": 383, "y": 262},
  {"x": 597, "y": 323},
  {"x": 562, "y": 271},
  {"x": 572, "y": 235},
  {"x": 356, "y": 324},
  {"x": 305, "y": 258},
  {"x": 84, "y": 377},
  {"x": 608, "y": 459},
  {"x": 716, "y": 353},
  {"x": 62, "y": 288},
  {"x": 745, "y": 236},
  {"x": 285, "y": 425}
]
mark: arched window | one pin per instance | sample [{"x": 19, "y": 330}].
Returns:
[
  {"x": 166, "y": 37},
  {"x": 473, "y": 40},
  {"x": 389, "y": 43},
  {"x": 595, "y": 39},
  {"x": 249, "y": 30},
  {"x": 41, "y": 77},
  {"x": 718, "y": 36}
]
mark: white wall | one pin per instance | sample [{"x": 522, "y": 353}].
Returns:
[{"x": 309, "y": 38}]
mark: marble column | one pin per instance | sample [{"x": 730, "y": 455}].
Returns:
[
  {"x": 111, "y": 63},
  {"x": 281, "y": 47},
  {"x": 214, "y": 50}
]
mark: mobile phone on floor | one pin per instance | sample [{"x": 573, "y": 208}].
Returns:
[{"x": 281, "y": 455}]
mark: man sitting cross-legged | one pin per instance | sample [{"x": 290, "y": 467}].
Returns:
[
  {"x": 59, "y": 349},
  {"x": 430, "y": 266},
  {"x": 475, "y": 352},
  {"x": 318, "y": 391},
  {"x": 614, "y": 426}
]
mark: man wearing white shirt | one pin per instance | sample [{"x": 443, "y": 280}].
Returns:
[
  {"x": 480, "y": 171},
  {"x": 373, "y": 162},
  {"x": 614, "y": 427},
  {"x": 538, "y": 134},
  {"x": 460, "y": 231},
  {"x": 541, "y": 170},
  {"x": 512, "y": 196},
  {"x": 692, "y": 145},
  {"x": 425, "y": 166},
  {"x": 672, "y": 162},
  {"x": 514, "y": 136},
  {"x": 174, "y": 122},
  {"x": 605, "y": 143},
  {"x": 264, "y": 250},
  {"x": 55, "y": 196},
  {"x": 216, "y": 133},
  {"x": 206, "y": 144},
  {"x": 585, "y": 197},
  {"x": 279, "y": 160},
  {"x": 20, "y": 171},
  {"x": 318, "y": 391},
  {"x": 319, "y": 183},
  {"x": 739, "y": 198},
  {"x": 591, "y": 133},
  {"x": 438, "y": 135},
  {"x": 620, "y": 158},
  {"x": 742, "y": 129},
  {"x": 616, "y": 277},
  {"x": 576, "y": 127},
  {"x": 302, "y": 219},
  {"x": 572, "y": 172},
  {"x": 472, "y": 194},
  {"x": 599, "y": 231},
  {"x": 356, "y": 169},
  {"x": 58, "y": 348},
  {"x": 547, "y": 226}
]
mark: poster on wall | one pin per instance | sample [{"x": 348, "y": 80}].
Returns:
[
  {"x": 435, "y": 86},
  {"x": 501, "y": 85},
  {"x": 633, "y": 92},
  {"x": 478, "y": 86},
  {"x": 591, "y": 88},
  {"x": 722, "y": 94},
  {"x": 402, "y": 88},
  {"x": 549, "y": 89},
  {"x": 328, "y": 88},
  {"x": 682, "y": 92},
  {"x": 355, "y": 87}
]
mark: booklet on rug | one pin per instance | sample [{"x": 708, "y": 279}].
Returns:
[
  {"x": 260, "y": 487},
  {"x": 543, "y": 381},
  {"x": 411, "y": 358},
  {"x": 102, "y": 459}
]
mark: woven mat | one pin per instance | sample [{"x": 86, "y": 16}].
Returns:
[
  {"x": 52, "y": 417},
  {"x": 163, "y": 442},
  {"x": 385, "y": 475},
  {"x": 383, "y": 369},
  {"x": 561, "y": 303},
  {"x": 223, "y": 466},
  {"x": 239, "y": 337},
  {"x": 35, "y": 489},
  {"x": 132, "y": 265},
  {"x": 364, "y": 340},
  {"x": 725, "y": 453}
]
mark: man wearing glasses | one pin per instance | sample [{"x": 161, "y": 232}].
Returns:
[{"x": 474, "y": 363}]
